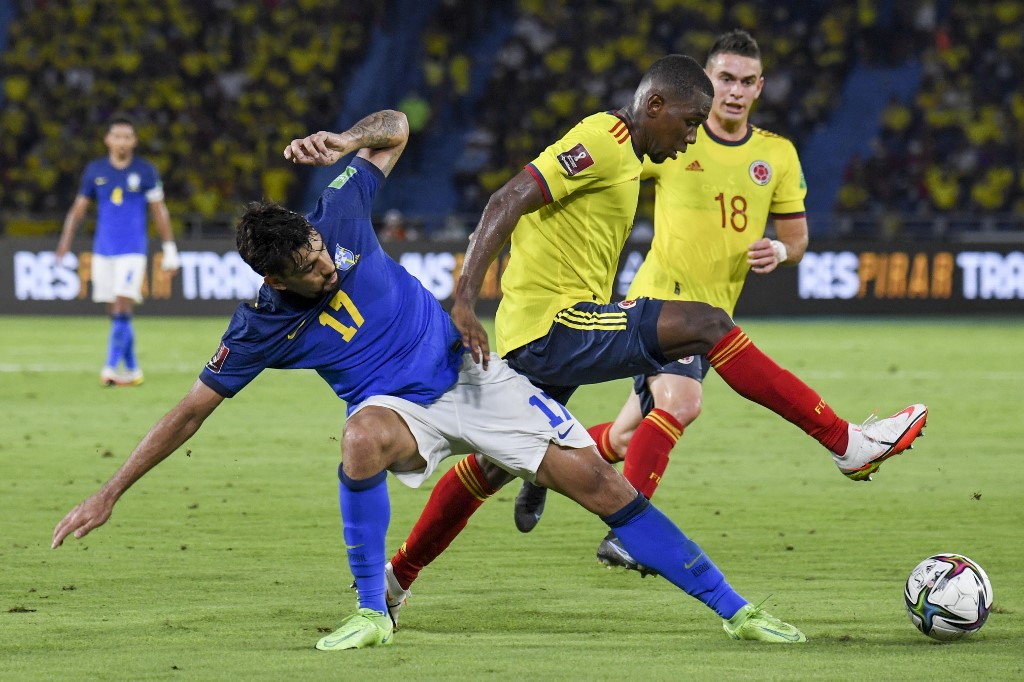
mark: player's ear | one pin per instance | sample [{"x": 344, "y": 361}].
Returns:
[
  {"x": 655, "y": 103},
  {"x": 274, "y": 282}
]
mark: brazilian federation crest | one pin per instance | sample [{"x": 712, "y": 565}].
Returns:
[{"x": 343, "y": 258}]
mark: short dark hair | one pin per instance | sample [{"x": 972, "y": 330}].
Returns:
[
  {"x": 270, "y": 236},
  {"x": 120, "y": 119},
  {"x": 680, "y": 75},
  {"x": 736, "y": 41}
]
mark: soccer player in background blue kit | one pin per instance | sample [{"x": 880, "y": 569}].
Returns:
[
  {"x": 333, "y": 301},
  {"x": 122, "y": 185}
]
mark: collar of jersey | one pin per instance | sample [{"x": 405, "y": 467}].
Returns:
[{"x": 728, "y": 143}]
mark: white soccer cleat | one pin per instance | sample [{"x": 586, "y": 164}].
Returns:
[
  {"x": 395, "y": 595},
  {"x": 109, "y": 377},
  {"x": 876, "y": 440}
]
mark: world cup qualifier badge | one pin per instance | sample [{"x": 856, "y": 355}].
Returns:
[
  {"x": 760, "y": 172},
  {"x": 216, "y": 363},
  {"x": 576, "y": 159}
]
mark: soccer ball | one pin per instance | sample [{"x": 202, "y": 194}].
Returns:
[{"x": 948, "y": 596}]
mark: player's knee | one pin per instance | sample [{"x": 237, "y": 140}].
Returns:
[
  {"x": 367, "y": 448},
  {"x": 714, "y": 323},
  {"x": 685, "y": 410},
  {"x": 495, "y": 475}
]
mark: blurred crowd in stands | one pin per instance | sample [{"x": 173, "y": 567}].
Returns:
[
  {"x": 959, "y": 145},
  {"x": 218, "y": 88}
]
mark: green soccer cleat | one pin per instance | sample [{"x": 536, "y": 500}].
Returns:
[
  {"x": 364, "y": 628},
  {"x": 751, "y": 622}
]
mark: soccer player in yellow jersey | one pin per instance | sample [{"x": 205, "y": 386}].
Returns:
[
  {"x": 568, "y": 214},
  {"x": 711, "y": 209}
]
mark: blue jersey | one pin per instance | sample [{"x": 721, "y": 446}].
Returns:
[
  {"x": 122, "y": 196},
  {"x": 380, "y": 333}
]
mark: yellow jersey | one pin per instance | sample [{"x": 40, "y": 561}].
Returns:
[
  {"x": 711, "y": 203},
  {"x": 568, "y": 250}
]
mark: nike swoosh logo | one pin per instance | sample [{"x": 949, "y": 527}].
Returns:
[
  {"x": 909, "y": 412},
  {"x": 334, "y": 642},
  {"x": 563, "y": 435},
  {"x": 783, "y": 635},
  {"x": 354, "y": 546},
  {"x": 695, "y": 560},
  {"x": 292, "y": 335}
]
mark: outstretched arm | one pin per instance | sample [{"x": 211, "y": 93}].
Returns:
[
  {"x": 379, "y": 138},
  {"x": 516, "y": 198},
  {"x": 71, "y": 221},
  {"x": 176, "y": 427}
]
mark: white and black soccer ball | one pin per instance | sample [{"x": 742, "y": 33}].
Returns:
[{"x": 948, "y": 596}]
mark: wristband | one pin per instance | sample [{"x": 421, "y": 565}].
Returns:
[
  {"x": 170, "y": 261},
  {"x": 780, "y": 251}
]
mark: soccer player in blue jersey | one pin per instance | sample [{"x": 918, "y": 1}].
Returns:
[
  {"x": 334, "y": 302},
  {"x": 122, "y": 185}
]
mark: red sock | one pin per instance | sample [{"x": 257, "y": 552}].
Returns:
[
  {"x": 599, "y": 432},
  {"x": 756, "y": 377},
  {"x": 647, "y": 454},
  {"x": 458, "y": 494}
]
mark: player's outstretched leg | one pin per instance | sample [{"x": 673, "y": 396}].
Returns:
[
  {"x": 364, "y": 628},
  {"x": 876, "y": 440},
  {"x": 658, "y": 544}
]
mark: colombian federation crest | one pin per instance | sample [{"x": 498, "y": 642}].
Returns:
[
  {"x": 760, "y": 172},
  {"x": 343, "y": 258}
]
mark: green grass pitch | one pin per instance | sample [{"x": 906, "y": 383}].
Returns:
[{"x": 226, "y": 562}]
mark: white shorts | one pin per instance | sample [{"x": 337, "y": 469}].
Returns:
[
  {"x": 118, "y": 277},
  {"x": 497, "y": 413}
]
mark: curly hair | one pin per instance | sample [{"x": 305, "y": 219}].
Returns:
[{"x": 269, "y": 237}]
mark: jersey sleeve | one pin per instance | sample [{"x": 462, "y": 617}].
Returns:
[
  {"x": 788, "y": 200},
  {"x": 351, "y": 194},
  {"x": 586, "y": 158},
  {"x": 151, "y": 184},
  {"x": 237, "y": 362}
]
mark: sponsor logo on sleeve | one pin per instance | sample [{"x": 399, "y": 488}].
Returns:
[
  {"x": 216, "y": 363},
  {"x": 576, "y": 159}
]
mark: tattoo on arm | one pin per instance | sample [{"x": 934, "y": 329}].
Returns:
[{"x": 377, "y": 131}]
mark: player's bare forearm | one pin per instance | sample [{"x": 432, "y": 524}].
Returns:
[
  {"x": 380, "y": 138},
  {"x": 166, "y": 436},
  {"x": 794, "y": 234},
  {"x": 516, "y": 198},
  {"x": 380, "y": 130},
  {"x": 162, "y": 219},
  {"x": 71, "y": 221}
]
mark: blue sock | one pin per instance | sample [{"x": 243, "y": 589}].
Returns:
[
  {"x": 129, "y": 344},
  {"x": 365, "y": 515},
  {"x": 654, "y": 541},
  {"x": 118, "y": 338}
]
